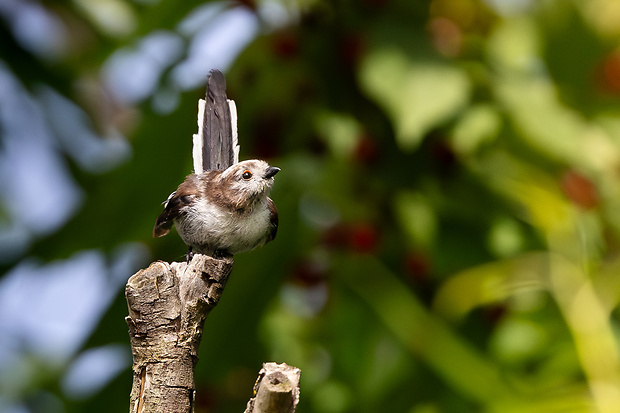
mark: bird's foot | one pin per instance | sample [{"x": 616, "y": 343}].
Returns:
[{"x": 189, "y": 255}]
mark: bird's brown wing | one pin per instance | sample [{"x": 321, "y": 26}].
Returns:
[
  {"x": 273, "y": 219},
  {"x": 174, "y": 206}
]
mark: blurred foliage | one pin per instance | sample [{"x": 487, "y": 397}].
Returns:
[{"x": 449, "y": 230}]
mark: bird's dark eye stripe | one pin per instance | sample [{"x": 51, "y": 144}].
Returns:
[{"x": 247, "y": 174}]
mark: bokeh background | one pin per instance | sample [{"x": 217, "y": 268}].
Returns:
[{"x": 449, "y": 198}]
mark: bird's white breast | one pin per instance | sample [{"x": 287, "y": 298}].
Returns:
[{"x": 209, "y": 227}]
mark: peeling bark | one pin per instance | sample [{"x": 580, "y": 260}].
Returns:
[{"x": 168, "y": 304}]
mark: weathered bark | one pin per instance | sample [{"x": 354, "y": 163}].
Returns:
[
  {"x": 168, "y": 303},
  {"x": 276, "y": 389}
]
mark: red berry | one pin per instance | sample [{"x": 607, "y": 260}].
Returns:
[
  {"x": 364, "y": 238},
  {"x": 367, "y": 150},
  {"x": 580, "y": 190},
  {"x": 418, "y": 266}
]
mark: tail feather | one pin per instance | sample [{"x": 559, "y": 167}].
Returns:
[{"x": 216, "y": 144}]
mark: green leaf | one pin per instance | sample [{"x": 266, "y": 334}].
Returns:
[
  {"x": 417, "y": 218},
  {"x": 479, "y": 125},
  {"x": 426, "y": 336},
  {"x": 417, "y": 95},
  {"x": 490, "y": 283}
]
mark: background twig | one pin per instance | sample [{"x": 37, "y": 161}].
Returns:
[{"x": 276, "y": 389}]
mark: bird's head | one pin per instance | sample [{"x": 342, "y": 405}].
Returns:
[{"x": 249, "y": 180}]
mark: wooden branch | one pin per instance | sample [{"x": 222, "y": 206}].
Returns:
[
  {"x": 168, "y": 304},
  {"x": 276, "y": 389}
]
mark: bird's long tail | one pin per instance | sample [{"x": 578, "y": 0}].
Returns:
[{"x": 216, "y": 145}]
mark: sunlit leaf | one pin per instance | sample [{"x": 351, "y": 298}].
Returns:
[
  {"x": 114, "y": 17},
  {"x": 426, "y": 336},
  {"x": 480, "y": 124},
  {"x": 542, "y": 121},
  {"x": 532, "y": 189},
  {"x": 505, "y": 237},
  {"x": 341, "y": 132},
  {"x": 515, "y": 46},
  {"x": 490, "y": 283},
  {"x": 417, "y": 218},
  {"x": 517, "y": 340},
  {"x": 418, "y": 95}
]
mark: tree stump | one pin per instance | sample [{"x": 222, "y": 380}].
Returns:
[
  {"x": 168, "y": 304},
  {"x": 276, "y": 389}
]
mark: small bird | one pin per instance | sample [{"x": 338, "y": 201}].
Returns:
[
  {"x": 221, "y": 213},
  {"x": 224, "y": 207}
]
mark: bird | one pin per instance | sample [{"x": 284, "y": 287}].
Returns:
[
  {"x": 223, "y": 208},
  {"x": 222, "y": 213}
]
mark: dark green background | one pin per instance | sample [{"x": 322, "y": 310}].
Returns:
[{"x": 449, "y": 197}]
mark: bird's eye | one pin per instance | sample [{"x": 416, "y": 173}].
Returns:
[{"x": 247, "y": 175}]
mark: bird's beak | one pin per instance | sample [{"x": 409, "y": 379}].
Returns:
[{"x": 271, "y": 172}]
